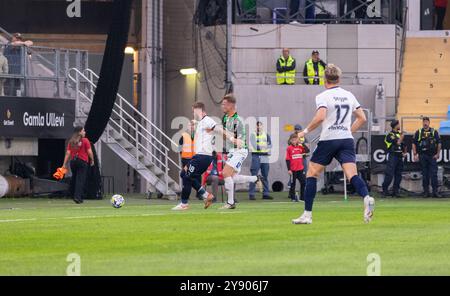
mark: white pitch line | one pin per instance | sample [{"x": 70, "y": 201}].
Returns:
[
  {"x": 106, "y": 216},
  {"x": 17, "y": 220}
]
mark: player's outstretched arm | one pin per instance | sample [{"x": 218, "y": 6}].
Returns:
[
  {"x": 359, "y": 121},
  {"x": 320, "y": 116}
]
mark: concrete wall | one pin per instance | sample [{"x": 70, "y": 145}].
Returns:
[
  {"x": 281, "y": 106},
  {"x": 369, "y": 51}
]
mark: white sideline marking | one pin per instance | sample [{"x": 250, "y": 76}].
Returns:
[
  {"x": 105, "y": 216},
  {"x": 17, "y": 220}
]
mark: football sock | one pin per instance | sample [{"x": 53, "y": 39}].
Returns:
[
  {"x": 239, "y": 179},
  {"x": 229, "y": 187},
  {"x": 360, "y": 186},
  {"x": 310, "y": 193},
  {"x": 186, "y": 190},
  {"x": 202, "y": 192}
]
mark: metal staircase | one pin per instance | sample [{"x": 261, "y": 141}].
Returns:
[{"x": 131, "y": 136}]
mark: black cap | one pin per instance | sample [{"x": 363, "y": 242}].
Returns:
[
  {"x": 394, "y": 123},
  {"x": 315, "y": 52},
  {"x": 426, "y": 118}
]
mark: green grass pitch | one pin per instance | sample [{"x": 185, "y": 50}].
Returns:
[{"x": 411, "y": 236}]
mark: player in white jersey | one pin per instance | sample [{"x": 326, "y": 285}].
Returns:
[
  {"x": 335, "y": 107},
  {"x": 203, "y": 140}
]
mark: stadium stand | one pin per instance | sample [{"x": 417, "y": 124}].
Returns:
[{"x": 426, "y": 74}]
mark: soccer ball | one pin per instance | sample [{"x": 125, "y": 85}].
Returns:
[{"x": 117, "y": 201}]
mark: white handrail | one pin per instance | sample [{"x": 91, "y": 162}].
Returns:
[
  {"x": 138, "y": 133},
  {"x": 118, "y": 106},
  {"x": 131, "y": 136},
  {"x": 137, "y": 111},
  {"x": 137, "y": 124}
]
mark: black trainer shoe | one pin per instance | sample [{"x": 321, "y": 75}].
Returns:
[
  {"x": 436, "y": 195},
  {"x": 267, "y": 197},
  {"x": 385, "y": 194},
  {"x": 251, "y": 198}
]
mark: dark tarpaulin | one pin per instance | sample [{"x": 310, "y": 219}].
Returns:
[{"x": 107, "y": 86}]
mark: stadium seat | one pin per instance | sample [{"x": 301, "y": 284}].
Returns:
[
  {"x": 444, "y": 129},
  {"x": 426, "y": 75}
]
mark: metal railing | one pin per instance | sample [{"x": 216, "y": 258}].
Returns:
[
  {"x": 38, "y": 71},
  {"x": 401, "y": 58},
  {"x": 130, "y": 123},
  {"x": 271, "y": 79},
  {"x": 324, "y": 11},
  {"x": 418, "y": 118}
]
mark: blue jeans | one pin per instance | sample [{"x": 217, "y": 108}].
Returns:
[{"x": 259, "y": 162}]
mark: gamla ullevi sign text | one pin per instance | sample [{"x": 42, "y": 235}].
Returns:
[{"x": 49, "y": 119}]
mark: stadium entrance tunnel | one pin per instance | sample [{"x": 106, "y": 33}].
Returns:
[{"x": 277, "y": 186}]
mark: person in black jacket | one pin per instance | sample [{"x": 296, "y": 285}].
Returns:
[{"x": 427, "y": 148}]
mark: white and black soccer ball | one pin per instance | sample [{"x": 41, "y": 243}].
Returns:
[{"x": 117, "y": 201}]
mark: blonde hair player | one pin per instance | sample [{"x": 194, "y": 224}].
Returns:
[
  {"x": 235, "y": 136},
  {"x": 334, "y": 109}
]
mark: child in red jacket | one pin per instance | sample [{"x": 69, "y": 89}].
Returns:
[{"x": 294, "y": 162}]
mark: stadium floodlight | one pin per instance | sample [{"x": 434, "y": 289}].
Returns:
[
  {"x": 129, "y": 50},
  {"x": 188, "y": 71}
]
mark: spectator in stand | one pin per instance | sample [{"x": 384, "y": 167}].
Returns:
[
  {"x": 213, "y": 174},
  {"x": 440, "y": 7},
  {"x": 314, "y": 70},
  {"x": 14, "y": 52},
  {"x": 295, "y": 166},
  {"x": 286, "y": 68},
  {"x": 3, "y": 70}
]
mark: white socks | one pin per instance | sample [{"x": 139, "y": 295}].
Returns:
[
  {"x": 307, "y": 214},
  {"x": 229, "y": 188},
  {"x": 236, "y": 179},
  {"x": 239, "y": 179}
]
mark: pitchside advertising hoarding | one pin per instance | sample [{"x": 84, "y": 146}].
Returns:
[
  {"x": 36, "y": 117},
  {"x": 379, "y": 154}
]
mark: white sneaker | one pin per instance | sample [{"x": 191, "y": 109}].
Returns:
[
  {"x": 369, "y": 208},
  {"x": 227, "y": 206},
  {"x": 303, "y": 219},
  {"x": 181, "y": 207}
]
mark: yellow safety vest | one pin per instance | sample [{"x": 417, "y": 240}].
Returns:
[
  {"x": 188, "y": 148},
  {"x": 311, "y": 72},
  {"x": 289, "y": 76},
  {"x": 394, "y": 136},
  {"x": 261, "y": 143}
]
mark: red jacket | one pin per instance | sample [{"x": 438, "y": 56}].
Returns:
[
  {"x": 294, "y": 157},
  {"x": 440, "y": 3},
  {"x": 220, "y": 160},
  {"x": 81, "y": 150}
]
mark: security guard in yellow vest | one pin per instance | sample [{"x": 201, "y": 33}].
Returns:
[
  {"x": 187, "y": 147},
  {"x": 286, "y": 68},
  {"x": 260, "y": 144},
  {"x": 427, "y": 148},
  {"x": 396, "y": 150},
  {"x": 314, "y": 67}
]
